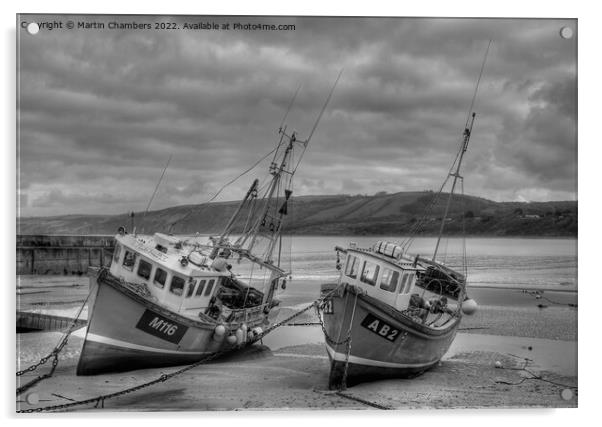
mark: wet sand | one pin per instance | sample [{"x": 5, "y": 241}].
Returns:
[
  {"x": 290, "y": 371},
  {"x": 283, "y": 376},
  {"x": 295, "y": 377}
]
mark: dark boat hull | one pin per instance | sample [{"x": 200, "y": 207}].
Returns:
[
  {"x": 127, "y": 331},
  {"x": 385, "y": 343}
]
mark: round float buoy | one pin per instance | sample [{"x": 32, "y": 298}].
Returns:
[
  {"x": 244, "y": 329},
  {"x": 220, "y": 331},
  {"x": 469, "y": 306},
  {"x": 239, "y": 336},
  {"x": 231, "y": 339},
  {"x": 498, "y": 364},
  {"x": 219, "y": 264},
  {"x": 33, "y": 398},
  {"x": 196, "y": 258}
]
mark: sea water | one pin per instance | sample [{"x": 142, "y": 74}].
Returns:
[
  {"x": 517, "y": 263},
  {"x": 505, "y": 263}
]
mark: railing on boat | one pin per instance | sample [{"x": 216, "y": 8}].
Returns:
[{"x": 244, "y": 314}]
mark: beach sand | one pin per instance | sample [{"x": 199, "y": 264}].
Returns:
[{"x": 290, "y": 370}]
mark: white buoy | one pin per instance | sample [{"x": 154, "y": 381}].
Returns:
[
  {"x": 239, "y": 336},
  {"x": 33, "y": 398},
  {"x": 220, "y": 331},
  {"x": 469, "y": 306},
  {"x": 245, "y": 329},
  {"x": 498, "y": 364},
  {"x": 566, "y": 394},
  {"x": 219, "y": 264},
  {"x": 231, "y": 339}
]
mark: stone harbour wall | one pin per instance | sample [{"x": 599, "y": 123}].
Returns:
[{"x": 45, "y": 254}]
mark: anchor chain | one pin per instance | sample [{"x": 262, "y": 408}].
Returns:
[
  {"x": 348, "y": 348},
  {"x": 328, "y": 338},
  {"x": 54, "y": 353},
  {"x": 99, "y": 400}
]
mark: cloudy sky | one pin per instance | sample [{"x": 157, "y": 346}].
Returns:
[{"x": 101, "y": 111}]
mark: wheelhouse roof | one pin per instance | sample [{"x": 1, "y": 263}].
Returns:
[
  {"x": 404, "y": 263},
  {"x": 146, "y": 247}
]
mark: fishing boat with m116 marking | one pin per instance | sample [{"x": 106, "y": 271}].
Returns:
[
  {"x": 165, "y": 301},
  {"x": 393, "y": 314}
]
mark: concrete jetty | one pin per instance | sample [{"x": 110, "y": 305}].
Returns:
[{"x": 29, "y": 322}]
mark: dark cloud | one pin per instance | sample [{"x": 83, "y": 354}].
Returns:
[{"x": 101, "y": 111}]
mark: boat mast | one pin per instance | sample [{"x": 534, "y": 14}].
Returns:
[
  {"x": 456, "y": 175},
  {"x": 276, "y": 171},
  {"x": 466, "y": 137}
]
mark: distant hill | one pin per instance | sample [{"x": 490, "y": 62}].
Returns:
[{"x": 381, "y": 214}]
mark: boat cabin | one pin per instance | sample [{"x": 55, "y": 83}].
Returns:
[
  {"x": 382, "y": 272},
  {"x": 185, "y": 282}
]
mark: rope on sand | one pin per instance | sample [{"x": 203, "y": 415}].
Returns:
[
  {"x": 365, "y": 402},
  {"x": 539, "y": 295},
  {"x": 532, "y": 377}
]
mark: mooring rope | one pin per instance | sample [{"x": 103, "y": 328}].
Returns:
[{"x": 533, "y": 376}]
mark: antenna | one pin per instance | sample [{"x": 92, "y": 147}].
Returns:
[
  {"x": 324, "y": 107},
  {"x": 289, "y": 106},
  {"x": 463, "y": 148},
  {"x": 476, "y": 88},
  {"x": 157, "y": 187},
  {"x": 317, "y": 121}
]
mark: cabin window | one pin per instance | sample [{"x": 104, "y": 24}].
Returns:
[
  {"x": 144, "y": 269},
  {"x": 405, "y": 287},
  {"x": 209, "y": 287},
  {"x": 352, "y": 267},
  {"x": 190, "y": 290},
  {"x": 369, "y": 273},
  {"x": 160, "y": 276},
  {"x": 411, "y": 278},
  {"x": 129, "y": 260},
  {"x": 389, "y": 280},
  {"x": 117, "y": 252},
  {"x": 177, "y": 285},
  {"x": 199, "y": 289}
]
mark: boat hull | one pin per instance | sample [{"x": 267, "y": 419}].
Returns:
[
  {"x": 126, "y": 331},
  {"x": 385, "y": 343}
]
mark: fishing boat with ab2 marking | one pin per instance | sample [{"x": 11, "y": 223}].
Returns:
[
  {"x": 394, "y": 314},
  {"x": 165, "y": 301}
]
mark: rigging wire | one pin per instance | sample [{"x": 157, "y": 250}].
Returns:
[
  {"x": 157, "y": 186},
  {"x": 239, "y": 176},
  {"x": 204, "y": 204},
  {"x": 417, "y": 227},
  {"x": 317, "y": 121}
]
